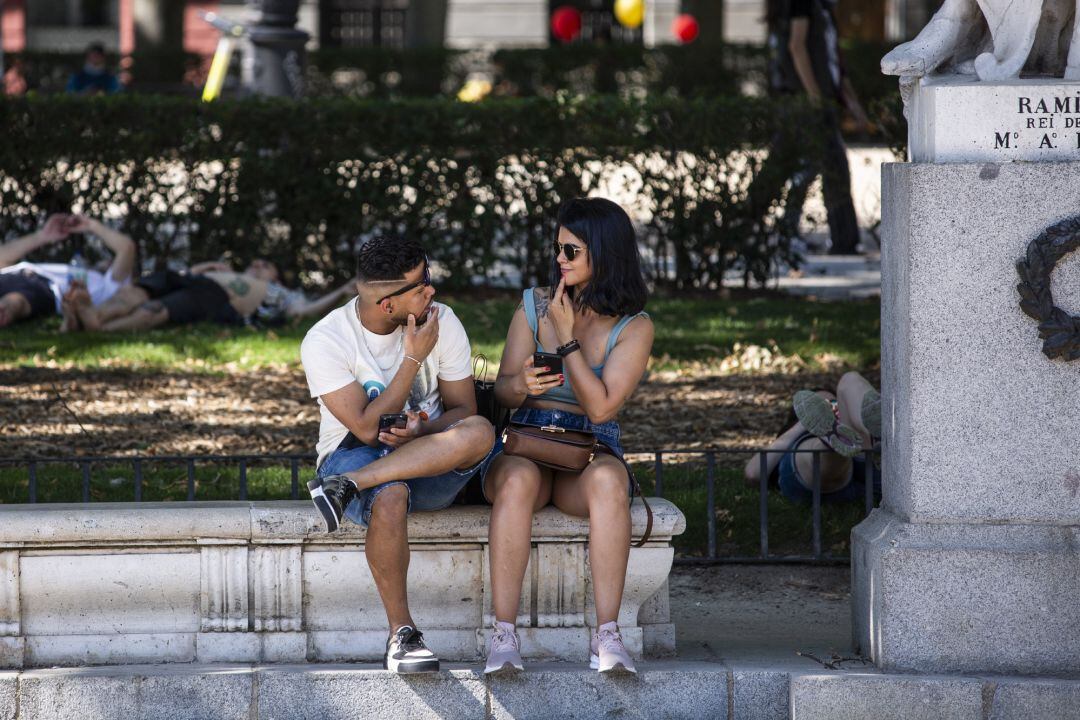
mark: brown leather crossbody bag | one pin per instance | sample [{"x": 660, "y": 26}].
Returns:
[
  {"x": 551, "y": 446},
  {"x": 568, "y": 451}
]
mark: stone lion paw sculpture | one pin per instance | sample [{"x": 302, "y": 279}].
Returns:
[{"x": 994, "y": 40}]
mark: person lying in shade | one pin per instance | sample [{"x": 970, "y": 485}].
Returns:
[{"x": 208, "y": 292}]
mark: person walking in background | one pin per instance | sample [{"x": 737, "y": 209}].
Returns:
[
  {"x": 15, "y": 78},
  {"x": 398, "y": 431},
  {"x": 806, "y": 61},
  {"x": 94, "y": 77},
  {"x": 29, "y": 290},
  {"x": 592, "y": 316}
]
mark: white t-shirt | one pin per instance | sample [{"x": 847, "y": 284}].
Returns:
[
  {"x": 100, "y": 286},
  {"x": 338, "y": 350}
]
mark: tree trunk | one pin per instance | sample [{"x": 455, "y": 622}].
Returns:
[
  {"x": 159, "y": 42},
  {"x": 425, "y": 23}
]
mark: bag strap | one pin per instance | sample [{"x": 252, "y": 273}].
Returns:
[
  {"x": 481, "y": 360},
  {"x": 637, "y": 489}
]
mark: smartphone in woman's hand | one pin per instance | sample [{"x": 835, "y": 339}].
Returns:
[{"x": 551, "y": 361}]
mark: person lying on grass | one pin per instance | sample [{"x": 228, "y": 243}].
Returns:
[
  {"x": 209, "y": 291},
  {"x": 841, "y": 427},
  {"x": 30, "y": 290}
]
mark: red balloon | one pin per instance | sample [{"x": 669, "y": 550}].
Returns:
[
  {"x": 565, "y": 23},
  {"x": 685, "y": 28}
]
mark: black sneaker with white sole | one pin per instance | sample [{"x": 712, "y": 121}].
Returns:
[
  {"x": 331, "y": 496},
  {"x": 406, "y": 652}
]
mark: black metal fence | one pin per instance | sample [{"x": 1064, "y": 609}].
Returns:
[{"x": 662, "y": 460}]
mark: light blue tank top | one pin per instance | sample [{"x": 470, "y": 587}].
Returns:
[{"x": 564, "y": 393}]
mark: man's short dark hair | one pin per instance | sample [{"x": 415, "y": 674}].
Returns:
[
  {"x": 95, "y": 47},
  {"x": 388, "y": 258}
]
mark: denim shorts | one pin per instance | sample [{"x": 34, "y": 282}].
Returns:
[
  {"x": 426, "y": 493},
  {"x": 607, "y": 433},
  {"x": 793, "y": 489}
]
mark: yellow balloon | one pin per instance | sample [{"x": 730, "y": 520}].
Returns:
[{"x": 630, "y": 13}]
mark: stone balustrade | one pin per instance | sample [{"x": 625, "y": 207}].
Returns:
[{"x": 118, "y": 583}]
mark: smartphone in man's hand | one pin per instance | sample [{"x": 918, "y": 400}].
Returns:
[{"x": 393, "y": 420}]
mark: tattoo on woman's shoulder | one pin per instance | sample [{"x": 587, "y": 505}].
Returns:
[{"x": 540, "y": 298}]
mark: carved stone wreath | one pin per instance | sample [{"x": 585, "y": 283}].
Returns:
[{"x": 1059, "y": 330}]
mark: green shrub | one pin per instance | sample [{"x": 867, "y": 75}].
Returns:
[{"x": 300, "y": 182}]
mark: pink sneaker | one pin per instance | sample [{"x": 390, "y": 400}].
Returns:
[
  {"x": 609, "y": 655},
  {"x": 504, "y": 655}
]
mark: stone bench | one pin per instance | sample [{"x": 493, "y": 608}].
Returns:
[{"x": 121, "y": 583}]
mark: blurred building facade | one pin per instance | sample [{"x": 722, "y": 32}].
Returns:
[{"x": 126, "y": 25}]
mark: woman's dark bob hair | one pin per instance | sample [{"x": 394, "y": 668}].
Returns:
[{"x": 617, "y": 286}]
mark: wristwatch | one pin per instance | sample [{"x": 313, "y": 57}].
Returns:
[{"x": 564, "y": 350}]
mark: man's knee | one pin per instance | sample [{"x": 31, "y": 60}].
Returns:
[
  {"x": 391, "y": 503},
  {"x": 478, "y": 433},
  {"x": 475, "y": 435},
  {"x": 478, "y": 428}
]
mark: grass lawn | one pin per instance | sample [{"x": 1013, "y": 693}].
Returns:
[{"x": 687, "y": 330}]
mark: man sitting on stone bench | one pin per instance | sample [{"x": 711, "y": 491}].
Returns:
[{"x": 393, "y": 348}]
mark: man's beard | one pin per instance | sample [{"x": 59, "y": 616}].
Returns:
[{"x": 420, "y": 319}]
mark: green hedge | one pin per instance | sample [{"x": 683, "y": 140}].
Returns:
[{"x": 300, "y": 182}]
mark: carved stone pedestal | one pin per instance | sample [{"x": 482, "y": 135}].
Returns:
[{"x": 973, "y": 562}]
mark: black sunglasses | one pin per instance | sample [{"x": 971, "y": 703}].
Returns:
[
  {"x": 423, "y": 282},
  {"x": 570, "y": 251}
]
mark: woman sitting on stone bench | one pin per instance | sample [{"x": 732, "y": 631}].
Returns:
[{"x": 593, "y": 318}]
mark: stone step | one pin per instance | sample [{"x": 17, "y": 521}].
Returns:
[{"x": 662, "y": 689}]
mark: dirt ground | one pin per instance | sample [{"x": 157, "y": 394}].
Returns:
[
  {"x": 51, "y": 411},
  {"x": 763, "y": 613}
]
